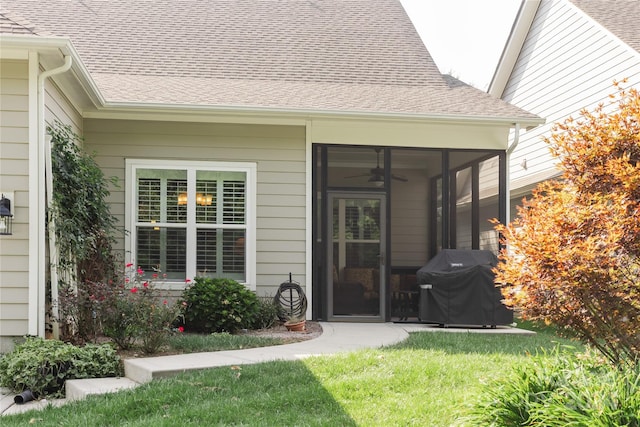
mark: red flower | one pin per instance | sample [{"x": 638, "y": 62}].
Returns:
[
  {"x": 180, "y": 328},
  {"x": 127, "y": 280},
  {"x": 165, "y": 302},
  {"x": 154, "y": 276},
  {"x": 129, "y": 265},
  {"x": 187, "y": 280},
  {"x": 134, "y": 290},
  {"x": 140, "y": 271},
  {"x": 145, "y": 284}
]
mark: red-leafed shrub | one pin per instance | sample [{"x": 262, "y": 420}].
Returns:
[{"x": 573, "y": 256}]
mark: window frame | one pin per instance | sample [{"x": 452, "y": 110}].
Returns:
[{"x": 191, "y": 167}]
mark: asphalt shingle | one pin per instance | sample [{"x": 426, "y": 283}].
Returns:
[
  {"x": 621, "y": 17},
  {"x": 11, "y": 23},
  {"x": 337, "y": 55}
]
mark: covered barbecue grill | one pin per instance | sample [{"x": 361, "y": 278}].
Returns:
[{"x": 457, "y": 288}]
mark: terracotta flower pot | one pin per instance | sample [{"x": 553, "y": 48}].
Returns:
[{"x": 297, "y": 326}]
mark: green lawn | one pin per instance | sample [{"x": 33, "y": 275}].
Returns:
[
  {"x": 198, "y": 343},
  {"x": 426, "y": 381}
]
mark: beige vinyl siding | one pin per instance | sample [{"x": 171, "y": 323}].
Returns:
[
  {"x": 58, "y": 107},
  {"x": 410, "y": 220},
  {"x": 14, "y": 176},
  {"x": 567, "y": 63},
  {"x": 279, "y": 152}
]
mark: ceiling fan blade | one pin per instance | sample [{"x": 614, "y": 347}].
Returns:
[
  {"x": 377, "y": 174},
  {"x": 358, "y": 176}
]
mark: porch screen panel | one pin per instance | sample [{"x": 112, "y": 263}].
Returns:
[
  {"x": 488, "y": 188},
  {"x": 463, "y": 208},
  {"x": 362, "y": 233},
  {"x": 437, "y": 212}
]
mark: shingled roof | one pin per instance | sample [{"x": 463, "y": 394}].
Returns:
[
  {"x": 621, "y": 17},
  {"x": 328, "y": 55},
  {"x": 11, "y": 23}
]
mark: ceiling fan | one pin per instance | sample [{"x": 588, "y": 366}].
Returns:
[{"x": 376, "y": 175}]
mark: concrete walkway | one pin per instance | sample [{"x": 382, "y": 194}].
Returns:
[{"x": 335, "y": 338}]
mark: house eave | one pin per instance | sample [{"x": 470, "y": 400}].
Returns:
[
  {"x": 52, "y": 51},
  {"x": 292, "y": 116},
  {"x": 32, "y": 42}
]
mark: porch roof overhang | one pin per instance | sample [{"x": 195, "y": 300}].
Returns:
[
  {"x": 344, "y": 127},
  {"x": 326, "y": 126}
]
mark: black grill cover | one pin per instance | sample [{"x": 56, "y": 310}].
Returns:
[{"x": 462, "y": 290}]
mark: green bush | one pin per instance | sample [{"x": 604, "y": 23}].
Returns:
[
  {"x": 267, "y": 313},
  {"x": 558, "y": 391},
  {"x": 218, "y": 305},
  {"x": 43, "y": 366}
]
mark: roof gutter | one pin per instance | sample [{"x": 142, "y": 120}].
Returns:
[
  {"x": 21, "y": 41},
  {"x": 56, "y": 45},
  {"x": 44, "y": 148},
  {"x": 305, "y": 114}
]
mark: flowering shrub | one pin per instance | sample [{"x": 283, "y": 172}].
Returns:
[
  {"x": 218, "y": 305},
  {"x": 78, "y": 320},
  {"x": 135, "y": 312},
  {"x": 117, "y": 311}
]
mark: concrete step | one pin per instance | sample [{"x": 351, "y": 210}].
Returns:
[
  {"x": 143, "y": 370},
  {"x": 79, "y": 389}
]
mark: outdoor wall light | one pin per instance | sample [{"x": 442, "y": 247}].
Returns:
[{"x": 6, "y": 217}]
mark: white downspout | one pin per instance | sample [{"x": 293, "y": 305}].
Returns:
[
  {"x": 45, "y": 180},
  {"x": 512, "y": 147}
]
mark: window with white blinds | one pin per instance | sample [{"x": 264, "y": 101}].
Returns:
[{"x": 193, "y": 220}]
